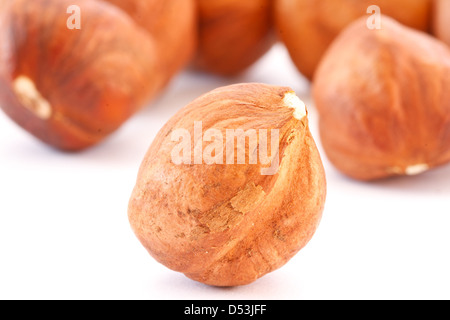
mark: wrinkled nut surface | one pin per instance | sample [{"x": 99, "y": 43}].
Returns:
[
  {"x": 308, "y": 27},
  {"x": 441, "y": 20},
  {"x": 73, "y": 87},
  {"x": 233, "y": 34},
  {"x": 384, "y": 101},
  {"x": 223, "y": 222}
]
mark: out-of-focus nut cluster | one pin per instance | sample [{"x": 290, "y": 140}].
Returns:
[
  {"x": 71, "y": 88},
  {"x": 380, "y": 75}
]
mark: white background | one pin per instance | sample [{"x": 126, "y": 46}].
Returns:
[{"x": 64, "y": 232}]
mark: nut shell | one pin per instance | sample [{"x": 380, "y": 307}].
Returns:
[
  {"x": 384, "y": 101},
  {"x": 173, "y": 24},
  {"x": 72, "y": 88},
  {"x": 233, "y": 35},
  {"x": 308, "y": 27},
  {"x": 227, "y": 224}
]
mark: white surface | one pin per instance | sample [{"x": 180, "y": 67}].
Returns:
[{"x": 64, "y": 232}]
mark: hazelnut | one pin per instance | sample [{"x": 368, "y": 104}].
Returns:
[
  {"x": 307, "y": 27},
  {"x": 441, "y": 20},
  {"x": 230, "y": 217},
  {"x": 173, "y": 24},
  {"x": 384, "y": 101},
  {"x": 233, "y": 34},
  {"x": 73, "y": 87}
]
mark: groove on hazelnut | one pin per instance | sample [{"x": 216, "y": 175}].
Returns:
[
  {"x": 31, "y": 98},
  {"x": 291, "y": 100}
]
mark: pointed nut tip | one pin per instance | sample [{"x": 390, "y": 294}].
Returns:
[{"x": 293, "y": 101}]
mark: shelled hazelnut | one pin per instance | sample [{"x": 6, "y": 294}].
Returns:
[
  {"x": 172, "y": 23},
  {"x": 307, "y": 28},
  {"x": 384, "y": 101},
  {"x": 218, "y": 218},
  {"x": 71, "y": 87},
  {"x": 233, "y": 34}
]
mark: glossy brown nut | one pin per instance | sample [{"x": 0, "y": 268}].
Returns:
[
  {"x": 309, "y": 27},
  {"x": 233, "y": 34},
  {"x": 384, "y": 101},
  {"x": 173, "y": 24},
  {"x": 229, "y": 223},
  {"x": 73, "y": 87}
]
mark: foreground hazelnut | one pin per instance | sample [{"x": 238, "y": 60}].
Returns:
[
  {"x": 172, "y": 23},
  {"x": 232, "y": 187},
  {"x": 73, "y": 87},
  {"x": 441, "y": 20},
  {"x": 384, "y": 101},
  {"x": 308, "y": 27},
  {"x": 233, "y": 34}
]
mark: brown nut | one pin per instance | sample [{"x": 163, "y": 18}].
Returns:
[
  {"x": 384, "y": 101},
  {"x": 220, "y": 220},
  {"x": 441, "y": 20},
  {"x": 233, "y": 34},
  {"x": 173, "y": 24},
  {"x": 308, "y": 27},
  {"x": 73, "y": 87}
]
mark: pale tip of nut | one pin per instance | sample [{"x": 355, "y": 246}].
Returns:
[
  {"x": 417, "y": 169},
  {"x": 31, "y": 98},
  {"x": 292, "y": 101}
]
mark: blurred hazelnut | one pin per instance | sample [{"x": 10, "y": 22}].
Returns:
[
  {"x": 172, "y": 23},
  {"x": 233, "y": 34},
  {"x": 383, "y": 98},
  {"x": 73, "y": 87},
  {"x": 308, "y": 27},
  {"x": 223, "y": 222}
]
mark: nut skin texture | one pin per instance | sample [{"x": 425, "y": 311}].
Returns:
[
  {"x": 308, "y": 27},
  {"x": 173, "y": 24},
  {"x": 233, "y": 35},
  {"x": 383, "y": 101},
  {"x": 226, "y": 224},
  {"x": 91, "y": 80},
  {"x": 441, "y": 20}
]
